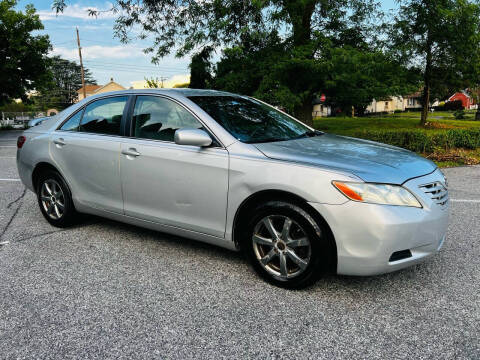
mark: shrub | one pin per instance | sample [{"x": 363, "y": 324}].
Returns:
[
  {"x": 453, "y": 105},
  {"x": 6, "y": 127},
  {"x": 459, "y": 114},
  {"x": 425, "y": 141},
  {"x": 397, "y": 111}
]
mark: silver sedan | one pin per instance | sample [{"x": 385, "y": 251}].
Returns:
[{"x": 235, "y": 172}]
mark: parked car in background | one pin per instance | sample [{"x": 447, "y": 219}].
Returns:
[
  {"x": 235, "y": 172},
  {"x": 37, "y": 121}
]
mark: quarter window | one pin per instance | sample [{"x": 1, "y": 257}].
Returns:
[
  {"x": 158, "y": 118},
  {"x": 104, "y": 116},
  {"x": 72, "y": 123}
]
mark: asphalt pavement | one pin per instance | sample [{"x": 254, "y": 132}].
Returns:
[{"x": 108, "y": 290}]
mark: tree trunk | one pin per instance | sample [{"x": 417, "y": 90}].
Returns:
[
  {"x": 426, "y": 87},
  {"x": 300, "y": 13},
  {"x": 426, "y": 102},
  {"x": 304, "y": 112}
]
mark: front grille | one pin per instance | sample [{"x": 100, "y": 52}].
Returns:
[{"x": 437, "y": 192}]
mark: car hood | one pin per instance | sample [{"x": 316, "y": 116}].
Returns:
[{"x": 371, "y": 161}]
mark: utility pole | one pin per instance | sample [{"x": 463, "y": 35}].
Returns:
[{"x": 81, "y": 66}]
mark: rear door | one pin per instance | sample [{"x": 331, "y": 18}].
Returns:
[
  {"x": 176, "y": 185},
  {"x": 86, "y": 150}
]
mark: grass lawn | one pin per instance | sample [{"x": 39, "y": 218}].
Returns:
[
  {"x": 405, "y": 121},
  {"x": 438, "y": 124}
]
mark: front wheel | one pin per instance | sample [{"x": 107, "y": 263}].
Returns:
[
  {"x": 286, "y": 246},
  {"x": 55, "y": 200}
]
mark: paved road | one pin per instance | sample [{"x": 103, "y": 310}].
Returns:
[{"x": 108, "y": 290}]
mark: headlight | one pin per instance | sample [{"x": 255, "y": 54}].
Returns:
[{"x": 377, "y": 193}]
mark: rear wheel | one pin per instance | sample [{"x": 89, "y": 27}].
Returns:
[
  {"x": 55, "y": 200},
  {"x": 285, "y": 245}
]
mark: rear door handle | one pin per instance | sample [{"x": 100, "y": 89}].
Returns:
[
  {"x": 59, "y": 142},
  {"x": 131, "y": 152}
]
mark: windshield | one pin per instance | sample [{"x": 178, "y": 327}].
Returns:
[{"x": 249, "y": 120}]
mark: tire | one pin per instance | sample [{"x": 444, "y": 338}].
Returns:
[
  {"x": 55, "y": 200},
  {"x": 296, "y": 231}
]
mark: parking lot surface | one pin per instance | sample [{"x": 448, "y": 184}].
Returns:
[{"x": 107, "y": 290}]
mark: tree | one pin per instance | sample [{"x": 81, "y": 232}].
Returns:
[
  {"x": 185, "y": 26},
  {"x": 356, "y": 76},
  {"x": 65, "y": 80},
  {"x": 23, "y": 60},
  {"x": 153, "y": 83},
  {"x": 267, "y": 68},
  {"x": 442, "y": 38},
  {"x": 200, "y": 69}
]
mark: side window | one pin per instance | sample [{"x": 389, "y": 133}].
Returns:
[
  {"x": 104, "y": 116},
  {"x": 158, "y": 118},
  {"x": 72, "y": 123}
]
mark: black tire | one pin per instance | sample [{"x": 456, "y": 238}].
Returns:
[
  {"x": 69, "y": 215},
  {"x": 319, "y": 252}
]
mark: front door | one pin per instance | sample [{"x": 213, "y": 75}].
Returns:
[{"x": 176, "y": 185}]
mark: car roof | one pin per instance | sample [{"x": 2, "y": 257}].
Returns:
[{"x": 186, "y": 92}]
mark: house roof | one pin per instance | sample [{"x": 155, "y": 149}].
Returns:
[
  {"x": 89, "y": 88},
  {"x": 111, "y": 82},
  {"x": 417, "y": 94}
]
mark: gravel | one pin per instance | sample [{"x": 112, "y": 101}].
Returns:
[{"x": 109, "y": 290}]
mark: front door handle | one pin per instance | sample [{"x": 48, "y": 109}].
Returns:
[
  {"x": 59, "y": 142},
  {"x": 131, "y": 152}
]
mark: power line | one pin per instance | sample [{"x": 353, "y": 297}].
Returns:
[{"x": 148, "y": 67}]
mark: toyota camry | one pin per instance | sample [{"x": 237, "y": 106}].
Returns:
[{"x": 236, "y": 172}]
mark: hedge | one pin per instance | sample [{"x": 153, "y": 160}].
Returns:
[{"x": 425, "y": 141}]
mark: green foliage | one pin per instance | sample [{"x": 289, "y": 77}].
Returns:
[
  {"x": 153, "y": 83},
  {"x": 420, "y": 140},
  {"x": 23, "y": 61},
  {"x": 453, "y": 105},
  {"x": 186, "y": 27},
  {"x": 459, "y": 114},
  {"x": 442, "y": 38},
  {"x": 61, "y": 89},
  {"x": 200, "y": 69},
  {"x": 357, "y": 76},
  {"x": 6, "y": 127},
  {"x": 17, "y": 107}
]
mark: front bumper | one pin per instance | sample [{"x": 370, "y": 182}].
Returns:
[{"x": 367, "y": 235}]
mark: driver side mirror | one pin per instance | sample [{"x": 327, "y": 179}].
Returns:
[{"x": 193, "y": 137}]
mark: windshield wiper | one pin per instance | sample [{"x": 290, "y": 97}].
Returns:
[
  {"x": 265, "y": 140},
  {"x": 310, "y": 134}
]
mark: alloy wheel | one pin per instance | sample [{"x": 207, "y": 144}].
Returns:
[
  {"x": 281, "y": 246},
  {"x": 53, "y": 199}
]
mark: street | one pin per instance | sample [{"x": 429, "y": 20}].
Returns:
[{"x": 109, "y": 290}]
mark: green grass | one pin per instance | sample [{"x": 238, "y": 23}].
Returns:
[{"x": 441, "y": 121}]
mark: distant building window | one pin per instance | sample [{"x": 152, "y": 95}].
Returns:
[{"x": 386, "y": 105}]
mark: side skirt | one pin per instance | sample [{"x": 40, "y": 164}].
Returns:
[{"x": 169, "y": 229}]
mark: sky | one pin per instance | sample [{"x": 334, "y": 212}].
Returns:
[{"x": 103, "y": 54}]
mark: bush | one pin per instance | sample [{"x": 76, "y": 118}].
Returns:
[
  {"x": 453, "y": 105},
  {"x": 425, "y": 141},
  {"x": 6, "y": 127},
  {"x": 397, "y": 111},
  {"x": 459, "y": 114}
]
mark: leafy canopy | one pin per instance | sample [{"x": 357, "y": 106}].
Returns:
[
  {"x": 442, "y": 39},
  {"x": 23, "y": 60},
  {"x": 64, "y": 81}
]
